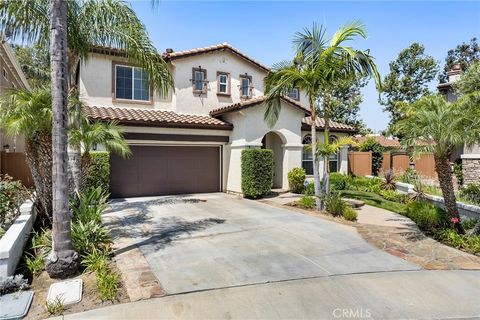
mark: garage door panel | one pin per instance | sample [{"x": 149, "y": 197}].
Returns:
[{"x": 162, "y": 170}]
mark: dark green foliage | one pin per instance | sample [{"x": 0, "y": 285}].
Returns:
[
  {"x": 90, "y": 205},
  {"x": 338, "y": 181},
  {"x": 307, "y": 202},
  {"x": 12, "y": 195},
  {"x": 469, "y": 223},
  {"x": 334, "y": 203},
  {"x": 377, "y": 153},
  {"x": 257, "y": 172},
  {"x": 469, "y": 244},
  {"x": 98, "y": 172},
  {"x": 364, "y": 184},
  {"x": 296, "y": 180},
  {"x": 349, "y": 214},
  {"x": 464, "y": 54},
  {"x": 408, "y": 80},
  {"x": 471, "y": 192},
  {"x": 457, "y": 171},
  {"x": 310, "y": 190},
  {"x": 428, "y": 217}
]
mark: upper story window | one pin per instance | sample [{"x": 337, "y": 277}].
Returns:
[
  {"x": 131, "y": 83},
  {"x": 223, "y": 83},
  {"x": 199, "y": 80},
  {"x": 295, "y": 94},
  {"x": 246, "y": 86}
]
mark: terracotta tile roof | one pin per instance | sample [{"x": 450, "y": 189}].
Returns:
[
  {"x": 149, "y": 117},
  {"x": 333, "y": 125},
  {"x": 252, "y": 102},
  {"x": 217, "y": 47},
  {"x": 382, "y": 140}
]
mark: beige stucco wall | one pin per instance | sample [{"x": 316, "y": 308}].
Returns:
[
  {"x": 96, "y": 85},
  {"x": 249, "y": 130}
]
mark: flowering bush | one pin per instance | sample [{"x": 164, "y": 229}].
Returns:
[{"x": 12, "y": 195}]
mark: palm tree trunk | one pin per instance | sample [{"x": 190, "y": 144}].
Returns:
[
  {"x": 316, "y": 173},
  {"x": 326, "y": 118},
  {"x": 62, "y": 261},
  {"x": 38, "y": 153},
  {"x": 442, "y": 166}
]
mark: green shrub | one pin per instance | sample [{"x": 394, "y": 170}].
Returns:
[
  {"x": 427, "y": 216},
  {"x": 377, "y": 150},
  {"x": 89, "y": 236},
  {"x": 107, "y": 284},
  {"x": 471, "y": 192},
  {"x": 95, "y": 261},
  {"x": 12, "y": 195},
  {"x": 257, "y": 172},
  {"x": 349, "y": 214},
  {"x": 392, "y": 195},
  {"x": 89, "y": 205},
  {"x": 98, "y": 172},
  {"x": 34, "y": 264},
  {"x": 307, "y": 202},
  {"x": 334, "y": 203},
  {"x": 364, "y": 184},
  {"x": 470, "y": 244},
  {"x": 338, "y": 181},
  {"x": 296, "y": 180},
  {"x": 408, "y": 176},
  {"x": 469, "y": 223},
  {"x": 310, "y": 189}
]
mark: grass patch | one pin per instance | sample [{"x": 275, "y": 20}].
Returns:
[{"x": 375, "y": 200}]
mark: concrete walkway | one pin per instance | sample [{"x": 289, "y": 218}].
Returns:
[{"x": 385, "y": 295}]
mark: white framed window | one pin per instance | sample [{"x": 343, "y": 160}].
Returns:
[
  {"x": 245, "y": 86},
  {"x": 131, "y": 83},
  {"x": 307, "y": 159},
  {"x": 199, "y": 80},
  {"x": 223, "y": 80},
  {"x": 294, "y": 94}
]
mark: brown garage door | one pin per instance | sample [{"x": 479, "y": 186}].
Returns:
[{"x": 162, "y": 170}]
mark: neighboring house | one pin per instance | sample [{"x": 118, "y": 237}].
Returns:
[
  {"x": 389, "y": 143},
  {"x": 470, "y": 157},
  {"x": 11, "y": 77},
  {"x": 191, "y": 140}
]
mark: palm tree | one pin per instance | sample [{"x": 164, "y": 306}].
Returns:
[
  {"x": 87, "y": 135},
  {"x": 110, "y": 23},
  {"x": 448, "y": 125},
  {"x": 29, "y": 113},
  {"x": 318, "y": 63}
]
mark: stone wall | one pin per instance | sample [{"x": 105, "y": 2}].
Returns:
[{"x": 471, "y": 170}]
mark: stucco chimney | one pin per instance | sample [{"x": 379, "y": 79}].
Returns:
[
  {"x": 169, "y": 50},
  {"x": 454, "y": 73}
]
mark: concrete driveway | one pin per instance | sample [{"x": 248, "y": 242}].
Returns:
[{"x": 212, "y": 241}]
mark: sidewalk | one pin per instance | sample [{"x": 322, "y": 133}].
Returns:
[{"x": 388, "y": 295}]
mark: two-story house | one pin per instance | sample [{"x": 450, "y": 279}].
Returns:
[
  {"x": 470, "y": 156},
  {"x": 191, "y": 141}
]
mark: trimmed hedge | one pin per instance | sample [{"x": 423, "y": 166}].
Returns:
[
  {"x": 257, "y": 172},
  {"x": 98, "y": 172}
]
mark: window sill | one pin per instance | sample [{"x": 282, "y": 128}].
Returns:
[
  {"x": 199, "y": 92},
  {"x": 126, "y": 101},
  {"x": 223, "y": 94}
]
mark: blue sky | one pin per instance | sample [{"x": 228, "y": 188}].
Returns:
[{"x": 264, "y": 29}]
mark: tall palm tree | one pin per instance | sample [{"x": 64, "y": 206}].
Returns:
[
  {"x": 318, "y": 63},
  {"x": 448, "y": 125},
  {"x": 110, "y": 23},
  {"x": 29, "y": 113},
  {"x": 89, "y": 134}
]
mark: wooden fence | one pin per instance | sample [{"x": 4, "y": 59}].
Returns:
[
  {"x": 360, "y": 163},
  {"x": 15, "y": 165}
]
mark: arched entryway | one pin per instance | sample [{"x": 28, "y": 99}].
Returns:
[{"x": 275, "y": 141}]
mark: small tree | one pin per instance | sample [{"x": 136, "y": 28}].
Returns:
[
  {"x": 377, "y": 150},
  {"x": 449, "y": 125}
]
